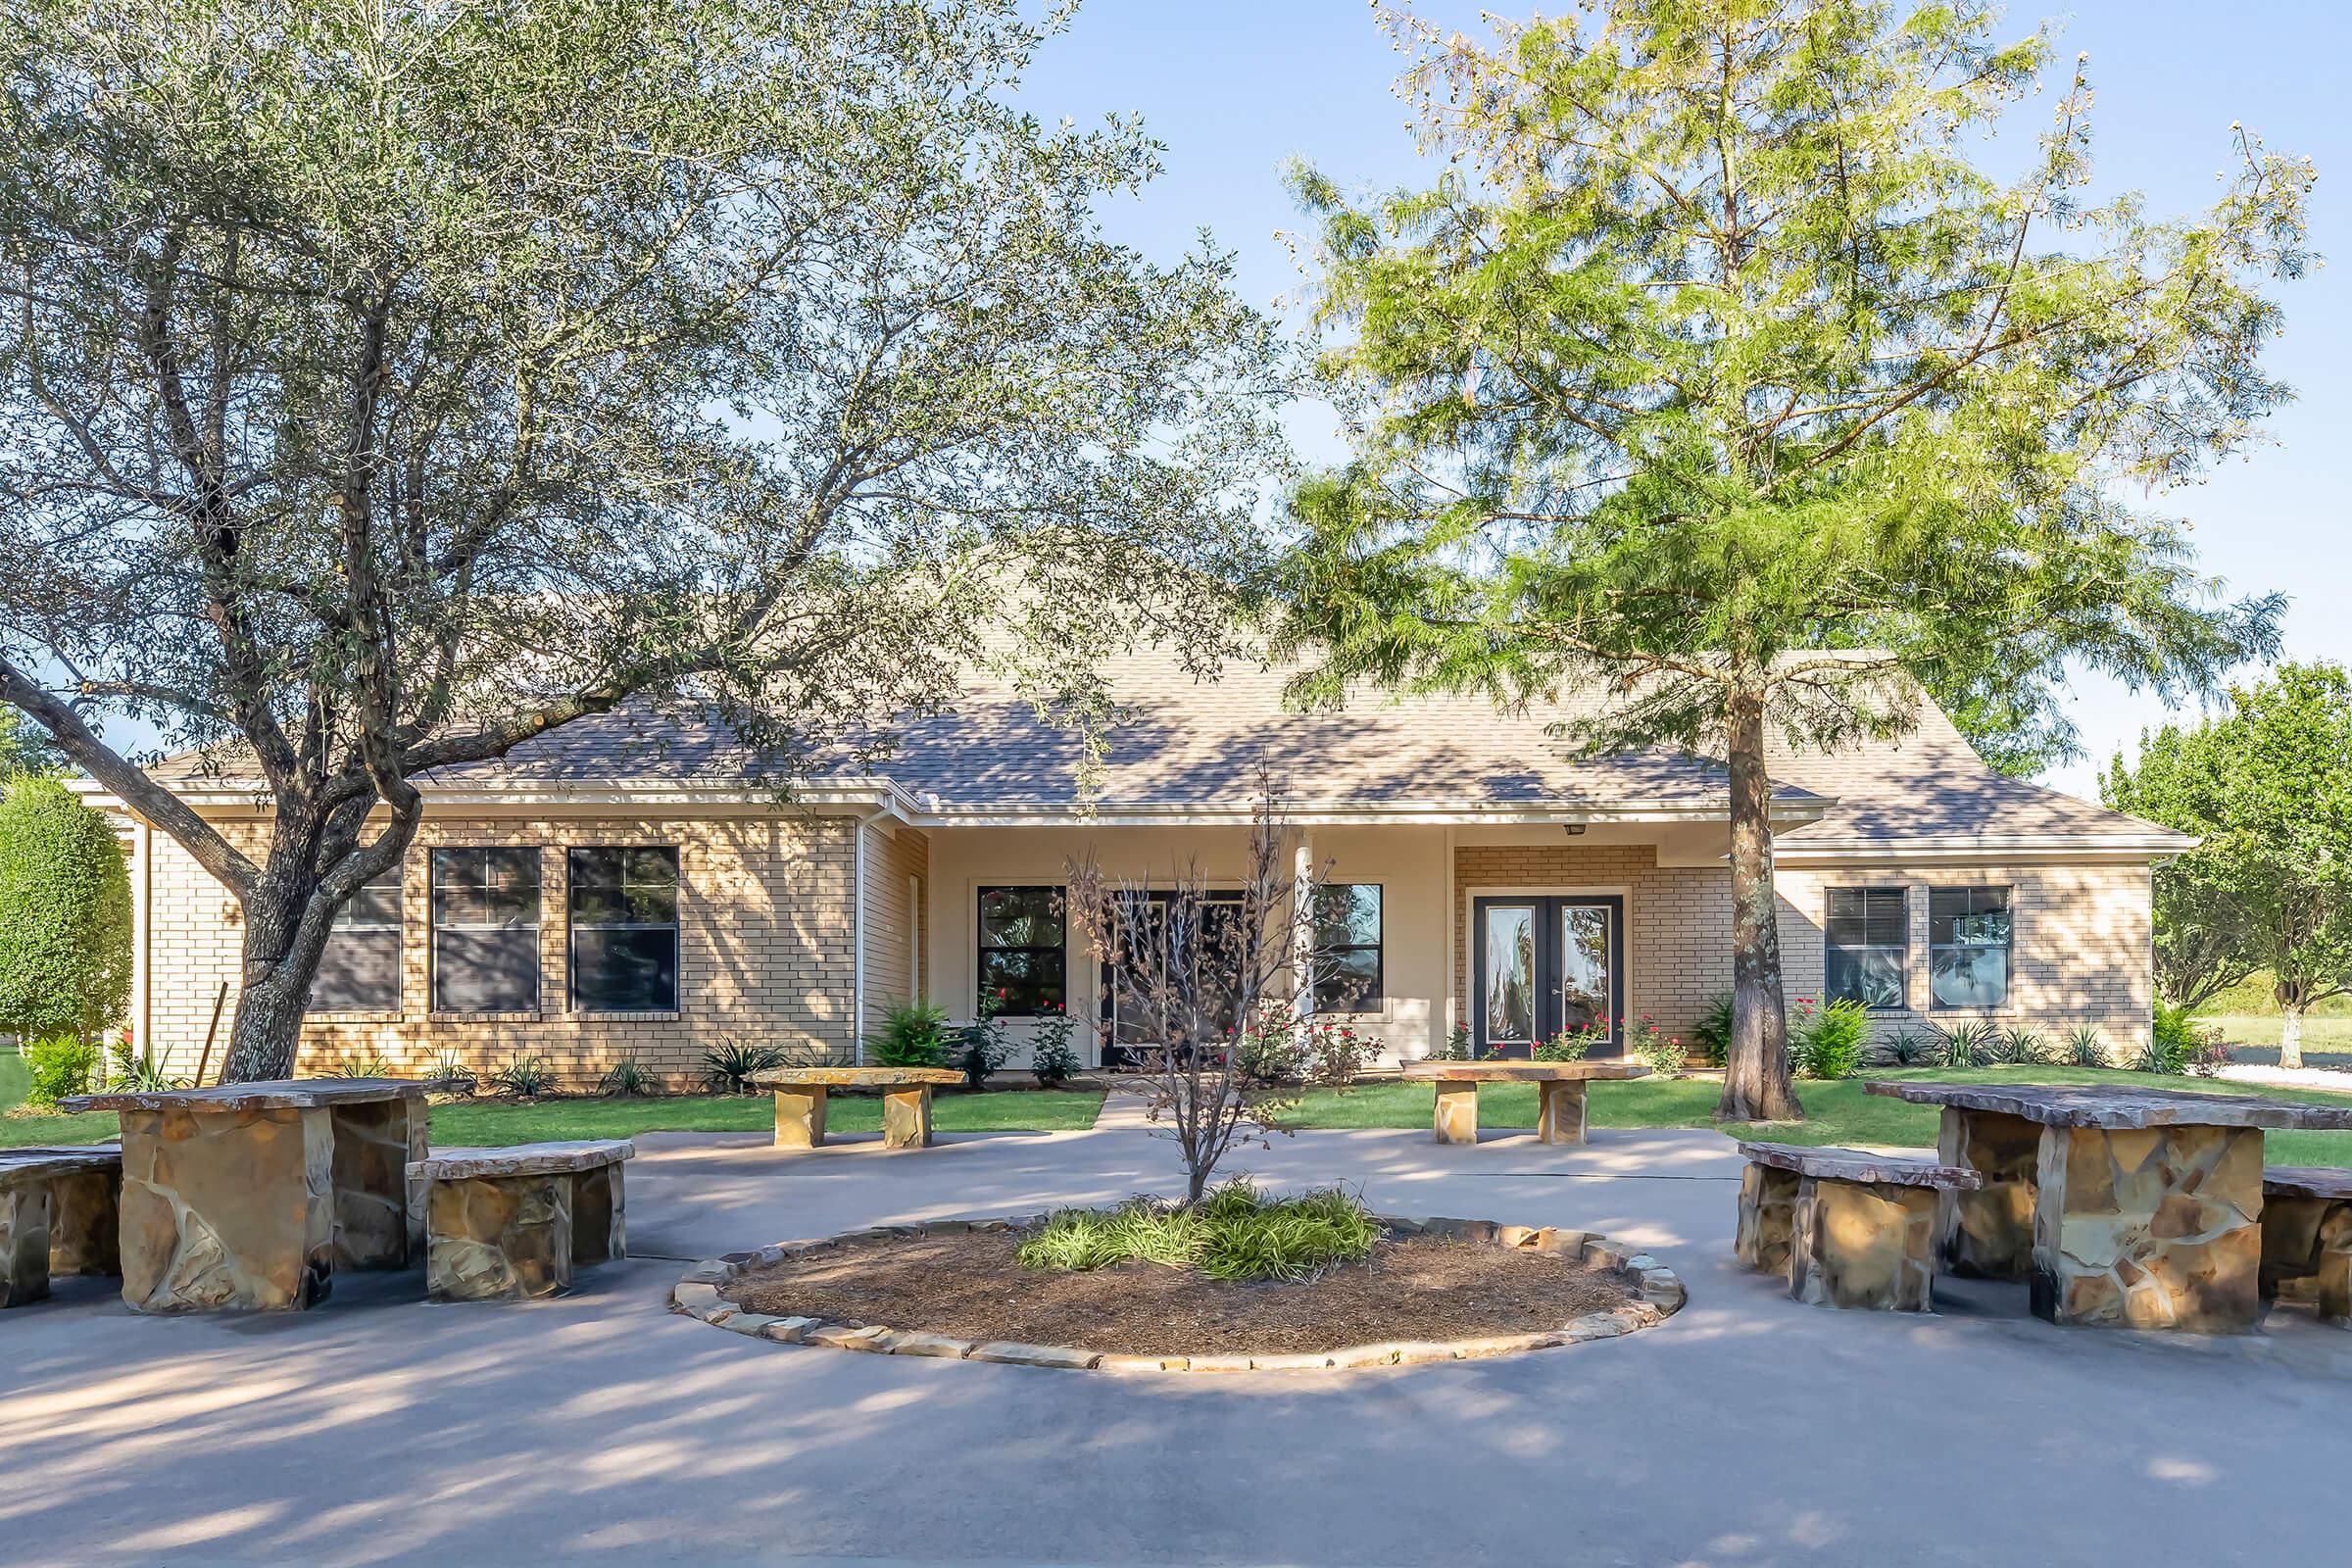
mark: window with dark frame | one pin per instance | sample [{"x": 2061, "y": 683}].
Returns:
[
  {"x": 359, "y": 969},
  {"x": 1969, "y": 931},
  {"x": 485, "y": 913},
  {"x": 1348, "y": 966},
  {"x": 624, "y": 929},
  {"x": 1025, "y": 961},
  {"x": 1867, "y": 934}
]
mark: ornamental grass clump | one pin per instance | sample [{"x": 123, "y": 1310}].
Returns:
[{"x": 1231, "y": 1233}]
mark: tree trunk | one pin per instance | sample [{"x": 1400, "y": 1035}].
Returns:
[
  {"x": 2291, "y": 1029},
  {"x": 1757, "y": 1086},
  {"x": 275, "y": 990}
]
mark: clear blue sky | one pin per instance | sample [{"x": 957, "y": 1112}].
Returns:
[{"x": 1235, "y": 88}]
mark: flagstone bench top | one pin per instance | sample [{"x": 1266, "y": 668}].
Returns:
[
  {"x": 1520, "y": 1072},
  {"x": 2306, "y": 1181},
  {"x": 523, "y": 1159},
  {"x": 21, "y": 1166},
  {"x": 2116, "y": 1108},
  {"x": 854, "y": 1077},
  {"x": 283, "y": 1093},
  {"x": 1855, "y": 1166}
]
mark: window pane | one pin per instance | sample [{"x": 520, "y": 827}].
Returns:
[
  {"x": 624, "y": 970},
  {"x": 359, "y": 972},
  {"x": 510, "y": 886},
  {"x": 1348, "y": 915},
  {"x": 1510, "y": 976},
  {"x": 1842, "y": 917},
  {"x": 1022, "y": 980},
  {"x": 1585, "y": 966},
  {"x": 1872, "y": 976},
  {"x": 1347, "y": 980},
  {"x": 1974, "y": 916},
  {"x": 596, "y": 868},
  {"x": 651, "y": 867},
  {"x": 1887, "y": 920},
  {"x": 485, "y": 971},
  {"x": 1970, "y": 977},
  {"x": 1021, "y": 917}
]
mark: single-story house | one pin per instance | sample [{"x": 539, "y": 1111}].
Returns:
[{"x": 623, "y": 888}]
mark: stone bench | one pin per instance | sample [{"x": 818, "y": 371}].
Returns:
[
  {"x": 906, "y": 1101},
  {"x": 59, "y": 1213},
  {"x": 2307, "y": 1238},
  {"x": 503, "y": 1224},
  {"x": 1847, "y": 1229}
]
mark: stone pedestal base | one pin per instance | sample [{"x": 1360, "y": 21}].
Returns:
[
  {"x": 906, "y": 1118},
  {"x": 498, "y": 1238},
  {"x": 231, "y": 1209},
  {"x": 599, "y": 1227},
  {"x": 1988, "y": 1233},
  {"x": 2154, "y": 1228},
  {"x": 2307, "y": 1253},
  {"x": 1559, "y": 1111},
  {"x": 1863, "y": 1245},
  {"x": 801, "y": 1118},
  {"x": 374, "y": 1141},
  {"x": 23, "y": 1244},
  {"x": 1457, "y": 1112},
  {"x": 85, "y": 1223},
  {"x": 1767, "y": 1217}
]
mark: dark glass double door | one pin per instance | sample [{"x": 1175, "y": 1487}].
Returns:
[{"x": 1544, "y": 965}]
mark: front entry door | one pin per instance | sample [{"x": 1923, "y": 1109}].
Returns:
[{"x": 1542, "y": 965}]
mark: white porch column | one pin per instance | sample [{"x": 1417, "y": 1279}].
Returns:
[{"x": 1303, "y": 929}]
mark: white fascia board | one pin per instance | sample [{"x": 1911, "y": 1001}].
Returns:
[
  {"x": 1990, "y": 850},
  {"x": 219, "y": 795},
  {"x": 1343, "y": 813}
]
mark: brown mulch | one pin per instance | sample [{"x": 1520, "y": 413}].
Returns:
[{"x": 969, "y": 1287}]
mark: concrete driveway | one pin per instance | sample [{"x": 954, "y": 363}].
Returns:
[{"x": 1745, "y": 1431}]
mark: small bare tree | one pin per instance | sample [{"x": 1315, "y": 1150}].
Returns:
[{"x": 1191, "y": 974}]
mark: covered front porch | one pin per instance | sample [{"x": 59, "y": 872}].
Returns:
[{"x": 1513, "y": 930}]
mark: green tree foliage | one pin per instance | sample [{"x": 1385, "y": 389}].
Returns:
[
  {"x": 65, "y": 913},
  {"x": 2268, "y": 790},
  {"x": 25, "y": 747},
  {"x": 1714, "y": 375},
  {"x": 384, "y": 386}
]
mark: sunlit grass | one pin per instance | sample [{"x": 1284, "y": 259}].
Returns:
[{"x": 1835, "y": 1112}]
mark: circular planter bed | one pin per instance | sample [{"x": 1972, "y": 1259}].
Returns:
[{"x": 1433, "y": 1290}]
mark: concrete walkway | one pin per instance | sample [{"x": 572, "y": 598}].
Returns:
[{"x": 1748, "y": 1431}]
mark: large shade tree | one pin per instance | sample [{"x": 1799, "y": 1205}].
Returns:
[
  {"x": 1715, "y": 372},
  {"x": 2268, "y": 790},
  {"x": 384, "y": 386}
]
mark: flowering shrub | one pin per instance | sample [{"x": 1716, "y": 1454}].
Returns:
[
  {"x": 1336, "y": 1053},
  {"x": 1457, "y": 1043},
  {"x": 1272, "y": 1048},
  {"x": 1052, "y": 1055},
  {"x": 1662, "y": 1054},
  {"x": 1571, "y": 1043}
]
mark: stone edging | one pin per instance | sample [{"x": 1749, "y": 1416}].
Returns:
[{"x": 697, "y": 1295}]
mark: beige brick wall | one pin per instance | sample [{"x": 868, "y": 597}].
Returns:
[
  {"x": 765, "y": 951},
  {"x": 2079, "y": 945},
  {"x": 2079, "y": 948}
]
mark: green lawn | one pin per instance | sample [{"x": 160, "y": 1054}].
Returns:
[
  {"x": 2321, "y": 1033},
  {"x": 487, "y": 1122},
  {"x": 1835, "y": 1112}
]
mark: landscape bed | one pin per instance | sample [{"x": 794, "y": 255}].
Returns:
[{"x": 1424, "y": 1281}]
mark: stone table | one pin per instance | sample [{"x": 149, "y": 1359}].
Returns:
[
  {"x": 2122, "y": 1208},
  {"x": 249, "y": 1197},
  {"x": 1560, "y": 1092},
  {"x": 906, "y": 1101}
]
